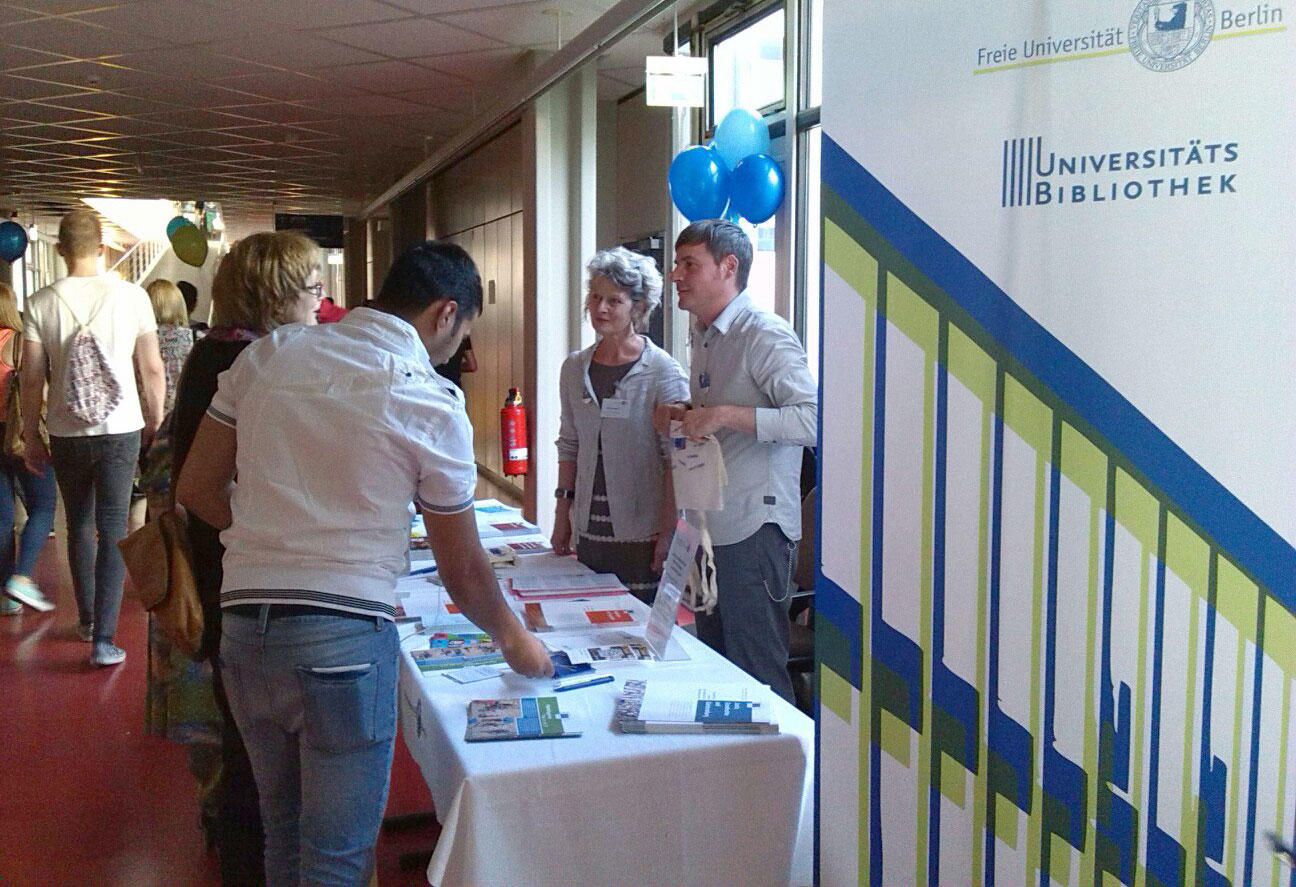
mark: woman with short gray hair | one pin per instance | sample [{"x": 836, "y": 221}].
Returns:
[{"x": 615, "y": 506}]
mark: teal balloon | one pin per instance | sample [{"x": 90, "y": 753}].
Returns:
[
  {"x": 13, "y": 241},
  {"x": 740, "y": 135},
  {"x": 177, "y": 222},
  {"x": 699, "y": 183},
  {"x": 756, "y": 188},
  {"x": 190, "y": 244}
]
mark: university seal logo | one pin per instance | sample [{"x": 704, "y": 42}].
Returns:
[{"x": 1166, "y": 35}]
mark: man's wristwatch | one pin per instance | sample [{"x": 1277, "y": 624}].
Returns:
[{"x": 564, "y": 493}]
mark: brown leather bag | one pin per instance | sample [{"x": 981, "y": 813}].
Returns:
[{"x": 160, "y": 564}]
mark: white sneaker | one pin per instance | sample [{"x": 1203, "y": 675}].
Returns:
[
  {"x": 9, "y": 607},
  {"x": 21, "y": 588},
  {"x": 105, "y": 653}
]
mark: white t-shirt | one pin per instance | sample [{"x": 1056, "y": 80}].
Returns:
[
  {"x": 339, "y": 427},
  {"x": 125, "y": 315}
]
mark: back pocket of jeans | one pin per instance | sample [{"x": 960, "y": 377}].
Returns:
[{"x": 339, "y": 706}]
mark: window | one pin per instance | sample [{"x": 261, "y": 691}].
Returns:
[
  {"x": 762, "y": 280},
  {"x": 813, "y": 54},
  {"x": 808, "y": 306},
  {"x": 747, "y": 67}
]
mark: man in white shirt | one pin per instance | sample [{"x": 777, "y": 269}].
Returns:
[
  {"x": 94, "y": 461},
  {"x": 751, "y": 387},
  {"x": 333, "y": 430}
]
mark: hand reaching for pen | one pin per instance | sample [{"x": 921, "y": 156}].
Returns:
[{"x": 525, "y": 654}]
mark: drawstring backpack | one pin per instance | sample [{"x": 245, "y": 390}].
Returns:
[{"x": 90, "y": 387}]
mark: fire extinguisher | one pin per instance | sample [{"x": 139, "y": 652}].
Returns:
[{"x": 513, "y": 434}]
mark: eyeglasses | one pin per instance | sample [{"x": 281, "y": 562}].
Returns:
[{"x": 316, "y": 290}]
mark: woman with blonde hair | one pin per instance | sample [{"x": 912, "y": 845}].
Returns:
[
  {"x": 175, "y": 340},
  {"x": 174, "y": 336},
  {"x": 38, "y": 491},
  {"x": 614, "y": 504},
  {"x": 267, "y": 280}
]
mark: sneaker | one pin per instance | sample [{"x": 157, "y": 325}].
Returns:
[
  {"x": 105, "y": 653},
  {"x": 20, "y": 588},
  {"x": 85, "y": 632},
  {"x": 9, "y": 607}
]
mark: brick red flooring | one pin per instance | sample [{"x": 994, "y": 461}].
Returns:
[{"x": 85, "y": 796}]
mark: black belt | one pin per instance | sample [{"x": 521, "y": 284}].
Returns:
[{"x": 278, "y": 611}]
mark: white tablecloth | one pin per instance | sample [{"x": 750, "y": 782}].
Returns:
[{"x": 607, "y": 808}]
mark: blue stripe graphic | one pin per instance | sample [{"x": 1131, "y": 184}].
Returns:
[
  {"x": 1250, "y": 542},
  {"x": 875, "y": 591}
]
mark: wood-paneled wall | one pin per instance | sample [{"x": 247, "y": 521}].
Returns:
[{"x": 478, "y": 203}]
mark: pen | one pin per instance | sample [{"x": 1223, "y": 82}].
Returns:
[{"x": 577, "y": 683}]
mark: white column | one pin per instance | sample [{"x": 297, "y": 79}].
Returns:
[{"x": 559, "y": 134}]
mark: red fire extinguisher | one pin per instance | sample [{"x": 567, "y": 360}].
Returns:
[{"x": 513, "y": 434}]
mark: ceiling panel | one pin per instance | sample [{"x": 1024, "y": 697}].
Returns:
[
  {"x": 387, "y": 76},
  {"x": 295, "y": 51},
  {"x": 14, "y": 88},
  {"x": 305, "y": 14},
  {"x": 494, "y": 66},
  {"x": 303, "y": 103},
  {"x": 190, "y": 63},
  {"x": 530, "y": 24},
  {"x": 277, "y": 112},
  {"x": 411, "y": 38},
  {"x": 68, "y": 36},
  {"x": 161, "y": 21}
]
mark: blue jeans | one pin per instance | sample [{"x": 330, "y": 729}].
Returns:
[
  {"x": 314, "y": 697},
  {"x": 95, "y": 475},
  {"x": 38, "y": 492}
]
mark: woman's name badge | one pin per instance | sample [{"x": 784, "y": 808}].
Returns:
[{"x": 615, "y": 408}]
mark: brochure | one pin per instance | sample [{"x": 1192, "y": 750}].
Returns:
[
  {"x": 571, "y": 585},
  {"x": 577, "y": 615},
  {"x": 683, "y": 707},
  {"x": 455, "y": 650},
  {"x": 527, "y": 717}
]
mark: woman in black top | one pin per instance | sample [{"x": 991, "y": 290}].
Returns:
[{"x": 265, "y": 281}]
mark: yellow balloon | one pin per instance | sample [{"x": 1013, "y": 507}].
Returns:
[{"x": 189, "y": 244}]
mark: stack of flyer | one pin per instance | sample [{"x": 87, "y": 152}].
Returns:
[
  {"x": 448, "y": 649},
  {"x": 683, "y": 707},
  {"x": 579, "y": 615},
  {"x": 527, "y": 717},
  {"x": 541, "y": 586}
]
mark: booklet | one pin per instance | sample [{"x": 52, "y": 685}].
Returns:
[
  {"x": 606, "y": 647},
  {"x": 455, "y": 650},
  {"x": 527, "y": 717},
  {"x": 533, "y": 586},
  {"x": 685, "y": 707},
  {"x": 577, "y": 615}
]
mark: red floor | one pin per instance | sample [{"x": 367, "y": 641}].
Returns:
[{"x": 85, "y": 796}]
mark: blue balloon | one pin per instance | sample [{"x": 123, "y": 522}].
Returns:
[
  {"x": 756, "y": 188},
  {"x": 177, "y": 222},
  {"x": 699, "y": 183},
  {"x": 740, "y": 135},
  {"x": 13, "y": 241}
]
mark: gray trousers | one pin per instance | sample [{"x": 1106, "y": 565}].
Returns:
[
  {"x": 95, "y": 475},
  {"x": 750, "y": 625}
]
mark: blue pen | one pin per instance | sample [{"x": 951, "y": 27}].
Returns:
[{"x": 582, "y": 681}]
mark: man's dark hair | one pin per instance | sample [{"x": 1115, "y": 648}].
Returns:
[
  {"x": 721, "y": 238},
  {"x": 190, "y": 293},
  {"x": 428, "y": 272}
]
